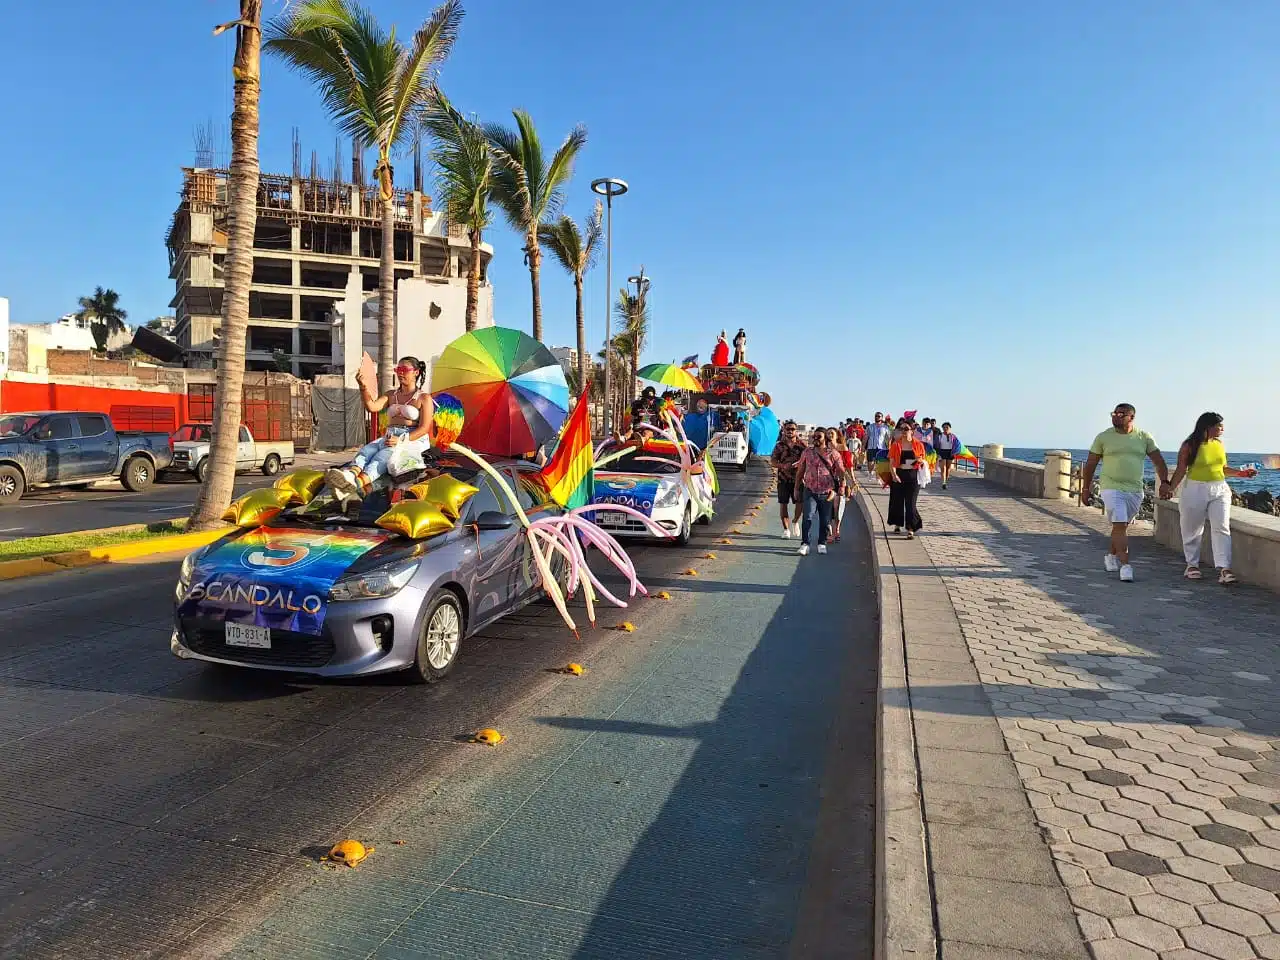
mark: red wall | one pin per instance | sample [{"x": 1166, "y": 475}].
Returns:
[{"x": 17, "y": 397}]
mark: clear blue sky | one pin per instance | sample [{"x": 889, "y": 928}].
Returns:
[{"x": 1009, "y": 214}]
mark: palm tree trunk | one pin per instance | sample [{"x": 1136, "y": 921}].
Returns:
[
  {"x": 583, "y": 383},
  {"x": 535, "y": 274},
  {"x": 242, "y": 211},
  {"x": 473, "y": 282},
  {"x": 387, "y": 288},
  {"x": 635, "y": 369}
]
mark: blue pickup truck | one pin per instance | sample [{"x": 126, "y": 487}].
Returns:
[{"x": 73, "y": 449}]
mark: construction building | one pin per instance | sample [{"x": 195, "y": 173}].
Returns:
[{"x": 317, "y": 248}]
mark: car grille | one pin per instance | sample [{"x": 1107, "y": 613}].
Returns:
[
  {"x": 288, "y": 649},
  {"x": 181, "y": 457}
]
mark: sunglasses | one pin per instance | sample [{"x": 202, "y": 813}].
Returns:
[
  {"x": 405, "y": 368},
  {"x": 1121, "y": 413}
]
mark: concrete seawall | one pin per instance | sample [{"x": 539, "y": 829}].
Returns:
[{"x": 1255, "y": 537}]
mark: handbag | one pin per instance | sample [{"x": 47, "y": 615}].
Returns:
[
  {"x": 406, "y": 457},
  {"x": 923, "y": 473}
]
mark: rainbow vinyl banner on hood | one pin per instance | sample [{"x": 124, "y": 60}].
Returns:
[{"x": 275, "y": 576}]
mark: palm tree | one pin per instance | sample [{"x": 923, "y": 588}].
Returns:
[
  {"x": 242, "y": 217},
  {"x": 529, "y": 188},
  {"x": 103, "y": 312},
  {"x": 464, "y": 174},
  {"x": 576, "y": 250},
  {"x": 373, "y": 87},
  {"x": 632, "y": 312},
  {"x": 618, "y": 360}
]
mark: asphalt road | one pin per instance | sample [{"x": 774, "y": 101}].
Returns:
[
  {"x": 145, "y": 799},
  {"x": 43, "y": 512}
]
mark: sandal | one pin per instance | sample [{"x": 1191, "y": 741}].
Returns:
[
  {"x": 1192, "y": 573},
  {"x": 1226, "y": 578}
]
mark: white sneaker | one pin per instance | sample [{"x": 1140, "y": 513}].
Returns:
[
  {"x": 342, "y": 482},
  {"x": 804, "y": 550},
  {"x": 786, "y": 533},
  {"x": 1126, "y": 573},
  {"x": 1112, "y": 563},
  {"x": 822, "y": 548}
]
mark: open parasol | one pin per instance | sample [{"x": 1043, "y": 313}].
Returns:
[
  {"x": 511, "y": 387},
  {"x": 670, "y": 375}
]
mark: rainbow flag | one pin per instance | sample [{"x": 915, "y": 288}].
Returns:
[
  {"x": 964, "y": 453},
  {"x": 568, "y": 475}
]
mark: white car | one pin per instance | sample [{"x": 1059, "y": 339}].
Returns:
[{"x": 655, "y": 489}]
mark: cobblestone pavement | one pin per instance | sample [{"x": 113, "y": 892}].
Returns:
[{"x": 1143, "y": 719}]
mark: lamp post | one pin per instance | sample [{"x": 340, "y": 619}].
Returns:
[
  {"x": 642, "y": 291},
  {"x": 608, "y": 187}
]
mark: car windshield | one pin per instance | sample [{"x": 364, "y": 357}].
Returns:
[
  {"x": 16, "y": 425},
  {"x": 645, "y": 461},
  {"x": 328, "y": 508}
]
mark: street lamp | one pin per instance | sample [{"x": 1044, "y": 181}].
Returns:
[{"x": 608, "y": 187}]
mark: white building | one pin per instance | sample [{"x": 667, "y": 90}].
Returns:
[{"x": 568, "y": 358}]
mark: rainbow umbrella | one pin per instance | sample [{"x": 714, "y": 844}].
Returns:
[
  {"x": 670, "y": 375},
  {"x": 511, "y": 387}
]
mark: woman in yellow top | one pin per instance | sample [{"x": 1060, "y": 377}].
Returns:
[{"x": 1203, "y": 461}]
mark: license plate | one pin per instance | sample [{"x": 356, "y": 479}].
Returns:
[
  {"x": 611, "y": 519},
  {"x": 242, "y": 635}
]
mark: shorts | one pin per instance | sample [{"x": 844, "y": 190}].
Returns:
[
  {"x": 1121, "y": 507},
  {"x": 787, "y": 492},
  {"x": 947, "y": 455}
]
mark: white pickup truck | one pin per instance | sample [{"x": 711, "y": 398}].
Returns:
[{"x": 192, "y": 441}]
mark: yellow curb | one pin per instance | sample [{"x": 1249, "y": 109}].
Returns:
[
  {"x": 142, "y": 548},
  {"x": 28, "y": 567}
]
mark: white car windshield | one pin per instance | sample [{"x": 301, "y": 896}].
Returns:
[{"x": 642, "y": 461}]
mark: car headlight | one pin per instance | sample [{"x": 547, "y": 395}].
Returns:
[
  {"x": 186, "y": 571},
  {"x": 669, "y": 497},
  {"x": 379, "y": 582}
]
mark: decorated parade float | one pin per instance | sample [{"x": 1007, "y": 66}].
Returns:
[{"x": 395, "y": 573}]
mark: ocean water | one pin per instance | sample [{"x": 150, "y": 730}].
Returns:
[{"x": 1265, "y": 480}]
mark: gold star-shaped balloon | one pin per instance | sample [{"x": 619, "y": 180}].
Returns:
[
  {"x": 416, "y": 519},
  {"x": 257, "y": 507},
  {"x": 448, "y": 492},
  {"x": 302, "y": 485}
]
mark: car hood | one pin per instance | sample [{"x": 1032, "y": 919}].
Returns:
[
  {"x": 189, "y": 445},
  {"x": 635, "y": 490},
  {"x": 276, "y": 576}
]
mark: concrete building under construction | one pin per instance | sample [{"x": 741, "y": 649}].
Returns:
[{"x": 317, "y": 249}]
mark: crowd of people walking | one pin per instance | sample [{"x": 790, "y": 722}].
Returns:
[
  {"x": 817, "y": 473},
  {"x": 817, "y": 476}
]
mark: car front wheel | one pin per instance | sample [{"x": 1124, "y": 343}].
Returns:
[
  {"x": 440, "y": 639},
  {"x": 686, "y": 528}
]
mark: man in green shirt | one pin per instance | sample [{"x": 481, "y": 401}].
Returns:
[{"x": 1122, "y": 450}]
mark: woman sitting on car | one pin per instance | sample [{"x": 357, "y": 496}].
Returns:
[{"x": 410, "y": 415}]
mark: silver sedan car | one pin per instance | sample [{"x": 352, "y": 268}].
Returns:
[{"x": 323, "y": 590}]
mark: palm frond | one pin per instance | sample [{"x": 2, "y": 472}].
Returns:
[
  {"x": 431, "y": 45},
  {"x": 551, "y": 187},
  {"x": 368, "y": 81},
  {"x": 563, "y": 239},
  {"x": 594, "y": 237},
  {"x": 464, "y": 165}
]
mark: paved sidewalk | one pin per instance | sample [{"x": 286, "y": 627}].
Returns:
[{"x": 1139, "y": 722}]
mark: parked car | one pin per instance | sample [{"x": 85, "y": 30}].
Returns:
[
  {"x": 322, "y": 590},
  {"x": 192, "y": 441},
  {"x": 74, "y": 449},
  {"x": 640, "y": 481}
]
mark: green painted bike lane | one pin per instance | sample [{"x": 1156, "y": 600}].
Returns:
[{"x": 706, "y": 789}]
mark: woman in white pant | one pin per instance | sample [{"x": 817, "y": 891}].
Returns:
[{"x": 1203, "y": 461}]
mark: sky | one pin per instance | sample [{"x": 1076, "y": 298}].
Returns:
[{"x": 1008, "y": 214}]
